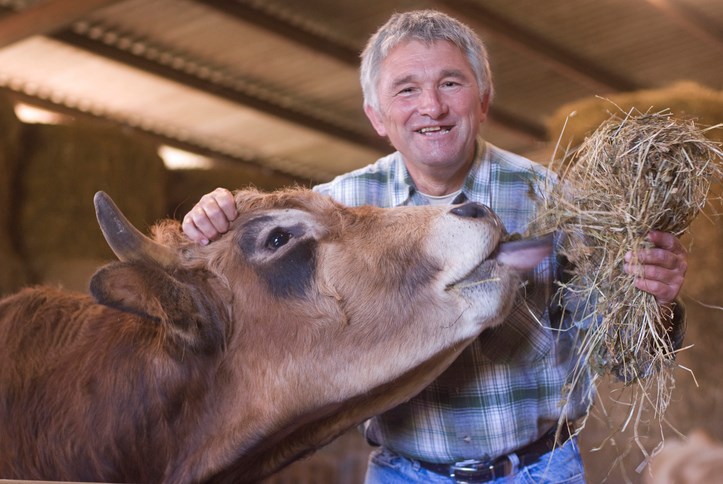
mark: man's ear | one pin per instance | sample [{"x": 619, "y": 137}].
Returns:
[
  {"x": 376, "y": 119},
  {"x": 484, "y": 107}
]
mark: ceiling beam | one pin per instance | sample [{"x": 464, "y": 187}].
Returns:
[
  {"x": 289, "y": 25},
  {"x": 691, "y": 20},
  {"x": 536, "y": 46},
  {"x": 44, "y": 18},
  {"x": 184, "y": 69},
  {"x": 516, "y": 123}
]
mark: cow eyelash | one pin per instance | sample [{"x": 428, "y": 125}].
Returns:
[{"x": 277, "y": 239}]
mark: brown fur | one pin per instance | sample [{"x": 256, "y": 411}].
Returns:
[
  {"x": 93, "y": 398},
  {"x": 203, "y": 372}
]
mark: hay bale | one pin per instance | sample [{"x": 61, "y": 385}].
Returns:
[
  {"x": 634, "y": 174},
  {"x": 13, "y": 273},
  {"x": 64, "y": 166},
  {"x": 645, "y": 172},
  {"x": 572, "y": 122},
  {"x": 697, "y": 400},
  {"x": 187, "y": 186}
]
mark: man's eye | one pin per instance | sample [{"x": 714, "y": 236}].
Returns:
[{"x": 277, "y": 238}]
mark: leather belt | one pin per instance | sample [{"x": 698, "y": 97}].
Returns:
[{"x": 474, "y": 471}]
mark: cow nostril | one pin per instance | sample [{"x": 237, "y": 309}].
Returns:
[{"x": 471, "y": 210}]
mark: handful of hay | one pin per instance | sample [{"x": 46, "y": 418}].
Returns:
[{"x": 634, "y": 174}]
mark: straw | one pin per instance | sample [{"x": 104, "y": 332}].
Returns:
[{"x": 636, "y": 173}]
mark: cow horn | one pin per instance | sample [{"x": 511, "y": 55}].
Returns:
[{"x": 127, "y": 243}]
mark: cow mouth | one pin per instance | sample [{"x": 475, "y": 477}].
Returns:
[
  {"x": 482, "y": 273},
  {"x": 514, "y": 252}
]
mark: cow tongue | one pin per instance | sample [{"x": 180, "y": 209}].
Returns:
[
  {"x": 519, "y": 255},
  {"x": 524, "y": 254}
]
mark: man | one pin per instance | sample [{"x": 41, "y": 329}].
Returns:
[{"x": 492, "y": 416}]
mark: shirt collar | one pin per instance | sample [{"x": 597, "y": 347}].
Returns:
[
  {"x": 477, "y": 183},
  {"x": 402, "y": 187}
]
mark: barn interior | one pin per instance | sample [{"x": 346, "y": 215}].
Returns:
[{"x": 158, "y": 102}]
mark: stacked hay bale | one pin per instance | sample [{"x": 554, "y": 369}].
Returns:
[
  {"x": 12, "y": 270},
  {"x": 572, "y": 122},
  {"x": 63, "y": 166},
  {"x": 187, "y": 186},
  {"x": 697, "y": 399}
]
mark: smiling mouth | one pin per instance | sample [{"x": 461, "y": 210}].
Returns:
[{"x": 434, "y": 130}]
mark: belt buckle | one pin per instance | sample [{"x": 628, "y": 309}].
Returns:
[{"x": 473, "y": 471}]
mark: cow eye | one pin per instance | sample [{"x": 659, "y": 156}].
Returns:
[{"x": 277, "y": 238}]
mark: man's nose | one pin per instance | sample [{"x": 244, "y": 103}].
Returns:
[{"x": 431, "y": 104}]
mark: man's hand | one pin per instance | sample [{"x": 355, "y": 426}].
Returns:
[
  {"x": 660, "y": 271},
  {"x": 210, "y": 217}
]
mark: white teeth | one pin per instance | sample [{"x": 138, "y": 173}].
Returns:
[{"x": 432, "y": 129}]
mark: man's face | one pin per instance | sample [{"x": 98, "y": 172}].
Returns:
[{"x": 429, "y": 104}]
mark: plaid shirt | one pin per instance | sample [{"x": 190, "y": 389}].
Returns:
[{"x": 506, "y": 389}]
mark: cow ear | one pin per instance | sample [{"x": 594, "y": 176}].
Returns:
[
  {"x": 133, "y": 288},
  {"x": 151, "y": 292}
]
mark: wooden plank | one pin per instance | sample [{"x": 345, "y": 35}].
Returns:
[
  {"x": 566, "y": 63},
  {"x": 693, "y": 20},
  {"x": 44, "y": 18}
]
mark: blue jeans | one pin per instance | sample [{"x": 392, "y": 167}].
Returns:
[{"x": 561, "y": 466}]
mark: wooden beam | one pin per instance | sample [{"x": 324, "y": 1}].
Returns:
[
  {"x": 289, "y": 25},
  {"x": 692, "y": 20},
  {"x": 514, "y": 122},
  {"x": 232, "y": 91},
  {"x": 44, "y": 18},
  {"x": 568, "y": 64}
]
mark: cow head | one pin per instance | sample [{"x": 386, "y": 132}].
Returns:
[{"x": 317, "y": 315}]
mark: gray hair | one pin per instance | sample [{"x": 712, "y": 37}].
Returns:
[{"x": 426, "y": 26}]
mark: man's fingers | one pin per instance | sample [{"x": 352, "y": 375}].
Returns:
[
  {"x": 664, "y": 284},
  {"x": 668, "y": 253},
  {"x": 192, "y": 232},
  {"x": 660, "y": 257},
  {"x": 210, "y": 217},
  {"x": 661, "y": 270},
  {"x": 663, "y": 293},
  {"x": 666, "y": 241},
  {"x": 224, "y": 200}
]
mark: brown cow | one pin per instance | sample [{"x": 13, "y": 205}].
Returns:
[{"x": 226, "y": 362}]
